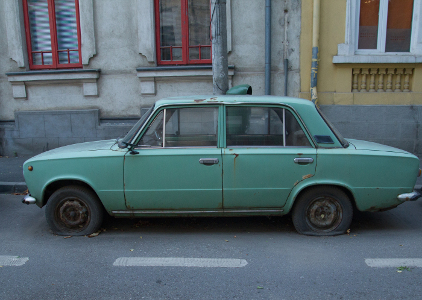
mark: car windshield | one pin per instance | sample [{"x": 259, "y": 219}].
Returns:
[
  {"x": 131, "y": 134},
  {"x": 337, "y": 133}
]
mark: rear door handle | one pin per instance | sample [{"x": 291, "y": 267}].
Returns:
[
  {"x": 208, "y": 161},
  {"x": 303, "y": 160}
]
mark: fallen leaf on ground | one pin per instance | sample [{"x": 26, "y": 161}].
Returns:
[
  {"x": 23, "y": 193},
  {"x": 94, "y": 234}
]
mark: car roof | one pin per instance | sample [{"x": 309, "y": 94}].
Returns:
[{"x": 233, "y": 99}]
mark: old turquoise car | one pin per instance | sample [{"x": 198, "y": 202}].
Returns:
[{"x": 222, "y": 156}]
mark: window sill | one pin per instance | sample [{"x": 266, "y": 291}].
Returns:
[
  {"x": 88, "y": 78},
  {"x": 377, "y": 59},
  {"x": 148, "y": 75}
]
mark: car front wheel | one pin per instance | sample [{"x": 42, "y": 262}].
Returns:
[
  {"x": 322, "y": 211},
  {"x": 74, "y": 210}
]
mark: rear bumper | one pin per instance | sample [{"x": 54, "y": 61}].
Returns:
[
  {"x": 29, "y": 200},
  {"x": 415, "y": 195}
]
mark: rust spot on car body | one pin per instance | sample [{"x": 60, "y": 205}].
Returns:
[
  {"x": 307, "y": 176},
  {"x": 234, "y": 160},
  {"x": 378, "y": 209},
  {"x": 199, "y": 100},
  {"x": 296, "y": 183}
]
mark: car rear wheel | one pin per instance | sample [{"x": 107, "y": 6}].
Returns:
[
  {"x": 74, "y": 210},
  {"x": 323, "y": 211}
]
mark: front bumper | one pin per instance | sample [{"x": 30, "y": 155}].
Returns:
[{"x": 415, "y": 195}]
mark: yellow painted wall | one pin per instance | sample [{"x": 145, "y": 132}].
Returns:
[{"x": 335, "y": 80}]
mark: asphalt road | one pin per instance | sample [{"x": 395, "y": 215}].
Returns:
[{"x": 277, "y": 263}]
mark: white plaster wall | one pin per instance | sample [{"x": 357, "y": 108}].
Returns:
[
  {"x": 117, "y": 55},
  {"x": 248, "y": 53},
  {"x": 6, "y": 65}
]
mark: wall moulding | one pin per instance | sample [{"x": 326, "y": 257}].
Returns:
[
  {"x": 375, "y": 79},
  {"x": 87, "y": 77}
]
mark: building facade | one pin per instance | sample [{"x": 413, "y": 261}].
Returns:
[
  {"x": 370, "y": 72},
  {"x": 82, "y": 70}
]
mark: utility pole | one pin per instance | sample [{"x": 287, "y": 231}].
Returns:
[{"x": 219, "y": 47}]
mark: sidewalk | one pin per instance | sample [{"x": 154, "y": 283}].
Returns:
[{"x": 11, "y": 176}]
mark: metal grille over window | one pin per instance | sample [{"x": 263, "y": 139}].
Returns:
[{"x": 53, "y": 33}]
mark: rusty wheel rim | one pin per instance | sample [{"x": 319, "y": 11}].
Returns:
[
  {"x": 324, "y": 214},
  {"x": 73, "y": 214}
]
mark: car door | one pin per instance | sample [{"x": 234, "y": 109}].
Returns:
[
  {"x": 177, "y": 165},
  {"x": 267, "y": 153}
]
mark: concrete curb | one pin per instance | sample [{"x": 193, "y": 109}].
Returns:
[{"x": 12, "y": 187}]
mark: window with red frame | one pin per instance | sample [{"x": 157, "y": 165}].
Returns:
[
  {"x": 183, "y": 32},
  {"x": 53, "y": 33}
]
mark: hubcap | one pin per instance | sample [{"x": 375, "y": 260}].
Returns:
[
  {"x": 73, "y": 214},
  {"x": 324, "y": 214}
]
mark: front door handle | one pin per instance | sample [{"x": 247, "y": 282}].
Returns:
[
  {"x": 303, "y": 160},
  {"x": 208, "y": 161}
]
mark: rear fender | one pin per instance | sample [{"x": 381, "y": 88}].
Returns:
[{"x": 309, "y": 183}]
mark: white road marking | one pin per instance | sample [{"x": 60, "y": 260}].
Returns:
[
  {"x": 14, "y": 261},
  {"x": 179, "y": 262},
  {"x": 394, "y": 262}
]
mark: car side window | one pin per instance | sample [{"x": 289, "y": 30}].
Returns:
[
  {"x": 294, "y": 133},
  {"x": 263, "y": 126},
  {"x": 183, "y": 127},
  {"x": 153, "y": 137}
]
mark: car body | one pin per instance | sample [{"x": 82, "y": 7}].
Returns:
[{"x": 222, "y": 156}]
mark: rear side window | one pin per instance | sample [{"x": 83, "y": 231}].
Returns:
[{"x": 263, "y": 126}]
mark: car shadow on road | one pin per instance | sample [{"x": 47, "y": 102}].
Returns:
[
  {"x": 200, "y": 224},
  {"x": 403, "y": 218}
]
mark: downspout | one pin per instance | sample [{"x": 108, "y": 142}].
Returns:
[
  {"x": 315, "y": 50},
  {"x": 286, "y": 49},
  {"x": 267, "y": 47}
]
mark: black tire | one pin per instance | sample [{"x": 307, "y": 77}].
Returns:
[
  {"x": 74, "y": 210},
  {"x": 322, "y": 211}
]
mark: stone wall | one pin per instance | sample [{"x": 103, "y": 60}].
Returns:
[
  {"x": 34, "y": 132},
  {"x": 393, "y": 125}
]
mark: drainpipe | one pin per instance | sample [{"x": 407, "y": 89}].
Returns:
[
  {"x": 219, "y": 47},
  {"x": 267, "y": 47},
  {"x": 315, "y": 41}
]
